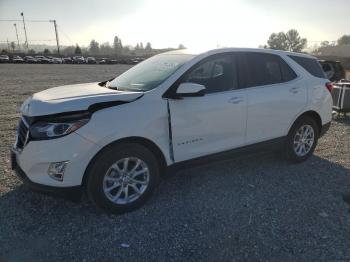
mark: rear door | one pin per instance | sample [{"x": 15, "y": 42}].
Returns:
[
  {"x": 214, "y": 122},
  {"x": 275, "y": 95}
]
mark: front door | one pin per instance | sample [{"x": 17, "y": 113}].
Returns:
[{"x": 214, "y": 122}]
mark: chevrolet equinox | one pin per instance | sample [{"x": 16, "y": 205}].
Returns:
[{"x": 114, "y": 139}]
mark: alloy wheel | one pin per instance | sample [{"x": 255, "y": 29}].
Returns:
[
  {"x": 126, "y": 180},
  {"x": 304, "y": 139}
]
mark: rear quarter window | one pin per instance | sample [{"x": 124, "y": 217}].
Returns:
[{"x": 309, "y": 64}]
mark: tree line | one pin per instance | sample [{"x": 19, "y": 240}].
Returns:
[
  {"x": 286, "y": 41},
  {"x": 292, "y": 41},
  {"x": 95, "y": 48},
  {"x": 116, "y": 49}
]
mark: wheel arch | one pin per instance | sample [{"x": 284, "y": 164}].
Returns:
[
  {"x": 314, "y": 115},
  {"x": 150, "y": 145}
]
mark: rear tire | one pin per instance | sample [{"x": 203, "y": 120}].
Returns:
[
  {"x": 122, "y": 177},
  {"x": 302, "y": 139}
]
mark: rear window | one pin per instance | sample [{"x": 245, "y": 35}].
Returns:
[{"x": 309, "y": 64}]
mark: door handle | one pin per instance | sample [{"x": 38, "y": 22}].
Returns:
[
  {"x": 294, "y": 90},
  {"x": 235, "y": 100}
]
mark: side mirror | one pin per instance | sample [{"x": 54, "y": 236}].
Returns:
[{"x": 190, "y": 90}]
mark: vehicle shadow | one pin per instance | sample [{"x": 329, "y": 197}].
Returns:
[{"x": 241, "y": 197}]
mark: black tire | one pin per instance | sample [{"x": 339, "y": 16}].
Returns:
[
  {"x": 102, "y": 164},
  {"x": 289, "y": 146}
]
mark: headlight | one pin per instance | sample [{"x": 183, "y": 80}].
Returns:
[{"x": 45, "y": 130}]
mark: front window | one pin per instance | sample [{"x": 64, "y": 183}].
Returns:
[
  {"x": 150, "y": 73},
  {"x": 217, "y": 74}
]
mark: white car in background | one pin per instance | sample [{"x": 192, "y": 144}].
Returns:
[
  {"x": 116, "y": 138},
  {"x": 79, "y": 60},
  {"x": 4, "y": 59}
]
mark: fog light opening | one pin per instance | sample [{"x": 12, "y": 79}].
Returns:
[{"x": 56, "y": 170}]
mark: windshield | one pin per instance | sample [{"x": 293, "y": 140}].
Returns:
[{"x": 150, "y": 73}]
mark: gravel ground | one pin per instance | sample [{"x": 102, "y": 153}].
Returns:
[{"x": 251, "y": 208}]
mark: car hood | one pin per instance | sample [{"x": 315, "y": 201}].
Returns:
[{"x": 72, "y": 98}]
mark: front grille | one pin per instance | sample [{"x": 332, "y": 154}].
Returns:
[{"x": 22, "y": 134}]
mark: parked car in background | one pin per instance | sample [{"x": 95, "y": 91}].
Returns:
[
  {"x": 112, "y": 61},
  {"x": 137, "y": 60},
  {"x": 42, "y": 59},
  {"x": 59, "y": 60},
  {"x": 67, "y": 60},
  {"x": 107, "y": 61},
  {"x": 115, "y": 139},
  {"x": 50, "y": 58},
  {"x": 4, "y": 59},
  {"x": 56, "y": 60},
  {"x": 133, "y": 61},
  {"x": 79, "y": 60},
  {"x": 17, "y": 59},
  {"x": 29, "y": 59},
  {"x": 103, "y": 61},
  {"x": 90, "y": 60},
  {"x": 334, "y": 70}
]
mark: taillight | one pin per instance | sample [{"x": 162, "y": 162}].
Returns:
[{"x": 329, "y": 87}]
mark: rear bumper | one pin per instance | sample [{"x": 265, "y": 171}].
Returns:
[{"x": 325, "y": 128}]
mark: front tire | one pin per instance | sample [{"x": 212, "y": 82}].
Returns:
[
  {"x": 302, "y": 139},
  {"x": 122, "y": 177}
]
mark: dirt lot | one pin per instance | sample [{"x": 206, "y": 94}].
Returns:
[{"x": 252, "y": 208}]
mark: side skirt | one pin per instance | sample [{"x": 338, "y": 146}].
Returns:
[{"x": 270, "y": 145}]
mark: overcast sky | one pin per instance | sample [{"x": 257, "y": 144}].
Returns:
[{"x": 196, "y": 23}]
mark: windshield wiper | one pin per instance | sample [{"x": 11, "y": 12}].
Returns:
[
  {"x": 111, "y": 87},
  {"x": 105, "y": 83}
]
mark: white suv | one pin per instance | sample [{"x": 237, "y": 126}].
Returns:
[{"x": 114, "y": 139}]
